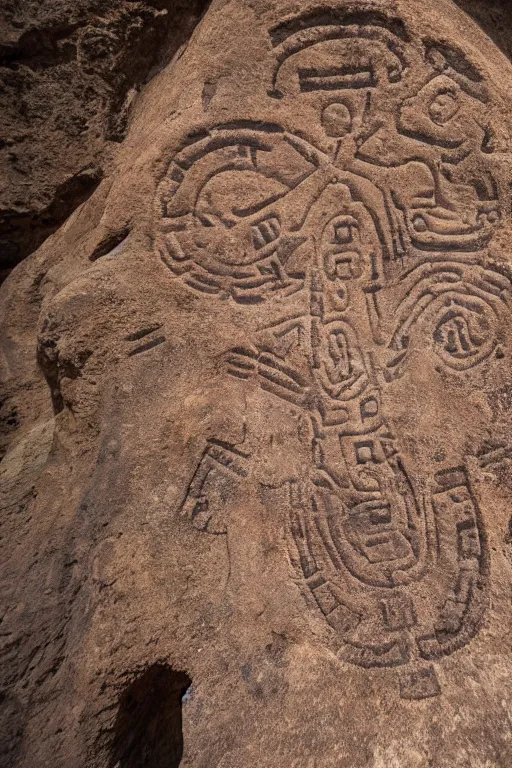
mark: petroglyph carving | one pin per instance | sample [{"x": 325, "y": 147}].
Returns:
[{"x": 369, "y": 241}]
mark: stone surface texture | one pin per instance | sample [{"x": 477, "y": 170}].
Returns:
[
  {"x": 258, "y": 406},
  {"x": 70, "y": 72}
]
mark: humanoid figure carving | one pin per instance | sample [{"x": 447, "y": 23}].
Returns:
[{"x": 360, "y": 251}]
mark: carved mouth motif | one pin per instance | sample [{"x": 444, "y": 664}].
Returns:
[{"x": 440, "y": 229}]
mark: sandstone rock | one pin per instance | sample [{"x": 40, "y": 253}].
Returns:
[
  {"x": 69, "y": 74},
  {"x": 273, "y": 353}
]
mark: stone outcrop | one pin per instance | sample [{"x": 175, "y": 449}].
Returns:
[
  {"x": 69, "y": 75},
  {"x": 257, "y": 473}
]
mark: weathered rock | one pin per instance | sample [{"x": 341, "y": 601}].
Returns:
[
  {"x": 69, "y": 75},
  {"x": 495, "y": 18},
  {"x": 276, "y": 352}
]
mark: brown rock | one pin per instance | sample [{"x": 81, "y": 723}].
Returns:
[
  {"x": 273, "y": 527},
  {"x": 70, "y": 71}
]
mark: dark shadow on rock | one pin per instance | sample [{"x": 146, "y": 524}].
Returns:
[
  {"x": 12, "y": 725},
  {"x": 494, "y": 17},
  {"x": 21, "y": 233},
  {"x": 148, "y": 729}
]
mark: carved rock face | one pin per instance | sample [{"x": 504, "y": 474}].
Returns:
[{"x": 283, "y": 396}]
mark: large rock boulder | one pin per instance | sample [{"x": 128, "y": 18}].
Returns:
[
  {"x": 70, "y": 73},
  {"x": 257, "y": 504}
]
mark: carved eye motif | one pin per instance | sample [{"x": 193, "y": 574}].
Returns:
[
  {"x": 465, "y": 332},
  {"x": 337, "y": 120},
  {"x": 443, "y": 107}
]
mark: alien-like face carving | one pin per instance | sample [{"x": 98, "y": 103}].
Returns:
[
  {"x": 383, "y": 323},
  {"x": 440, "y": 112}
]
